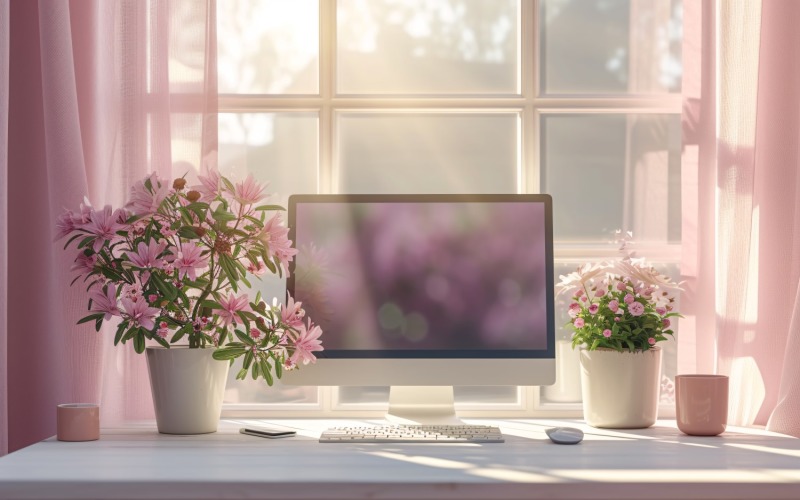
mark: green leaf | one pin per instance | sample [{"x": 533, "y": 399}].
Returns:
[
  {"x": 211, "y": 304},
  {"x": 221, "y": 215},
  {"x": 180, "y": 333},
  {"x": 265, "y": 370},
  {"x": 129, "y": 334},
  {"x": 138, "y": 341},
  {"x": 224, "y": 353},
  {"x": 242, "y": 374},
  {"x": 248, "y": 359},
  {"x": 270, "y": 207},
  {"x": 188, "y": 233},
  {"x": 73, "y": 238},
  {"x": 85, "y": 241},
  {"x": 167, "y": 290},
  {"x": 91, "y": 317},
  {"x": 244, "y": 337},
  {"x": 256, "y": 370},
  {"x": 161, "y": 341},
  {"x": 278, "y": 368},
  {"x": 120, "y": 331}
]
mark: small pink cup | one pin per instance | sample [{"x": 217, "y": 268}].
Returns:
[
  {"x": 701, "y": 404},
  {"x": 78, "y": 422}
]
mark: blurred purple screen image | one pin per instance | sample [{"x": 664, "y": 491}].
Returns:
[{"x": 388, "y": 276}]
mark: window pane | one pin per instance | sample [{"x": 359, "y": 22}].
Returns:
[
  {"x": 610, "y": 46},
  {"x": 281, "y": 149},
  {"x": 428, "y": 46},
  {"x": 268, "y": 47},
  {"x": 428, "y": 153},
  {"x": 625, "y": 175}
]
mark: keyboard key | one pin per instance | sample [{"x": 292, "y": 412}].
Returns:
[{"x": 413, "y": 434}]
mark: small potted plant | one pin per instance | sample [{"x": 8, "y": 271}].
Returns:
[
  {"x": 619, "y": 312},
  {"x": 168, "y": 270}
]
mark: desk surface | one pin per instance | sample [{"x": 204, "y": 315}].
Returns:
[{"x": 660, "y": 462}]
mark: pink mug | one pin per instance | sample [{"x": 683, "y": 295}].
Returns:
[
  {"x": 78, "y": 422},
  {"x": 701, "y": 404}
]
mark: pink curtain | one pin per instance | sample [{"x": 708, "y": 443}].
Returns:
[
  {"x": 742, "y": 135},
  {"x": 4, "y": 42},
  {"x": 99, "y": 93}
]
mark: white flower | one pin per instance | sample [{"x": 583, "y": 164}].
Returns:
[{"x": 583, "y": 274}]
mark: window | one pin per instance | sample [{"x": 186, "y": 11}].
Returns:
[{"x": 576, "y": 98}]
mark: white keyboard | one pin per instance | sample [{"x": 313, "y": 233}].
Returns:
[{"x": 413, "y": 434}]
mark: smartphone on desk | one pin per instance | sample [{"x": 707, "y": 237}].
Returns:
[{"x": 266, "y": 433}]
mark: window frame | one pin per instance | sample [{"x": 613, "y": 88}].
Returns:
[{"x": 528, "y": 102}]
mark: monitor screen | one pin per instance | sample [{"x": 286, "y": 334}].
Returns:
[{"x": 425, "y": 276}]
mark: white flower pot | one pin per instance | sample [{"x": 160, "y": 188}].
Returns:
[
  {"x": 620, "y": 389},
  {"x": 188, "y": 386}
]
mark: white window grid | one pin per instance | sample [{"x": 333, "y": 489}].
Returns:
[{"x": 529, "y": 103}]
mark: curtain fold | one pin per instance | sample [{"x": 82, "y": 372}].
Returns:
[
  {"x": 743, "y": 131},
  {"x": 4, "y": 60},
  {"x": 100, "y": 93}
]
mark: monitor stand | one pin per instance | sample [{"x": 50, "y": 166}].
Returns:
[{"x": 422, "y": 405}]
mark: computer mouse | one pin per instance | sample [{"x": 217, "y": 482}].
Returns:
[{"x": 565, "y": 435}]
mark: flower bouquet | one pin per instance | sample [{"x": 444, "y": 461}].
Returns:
[
  {"x": 170, "y": 264},
  {"x": 623, "y": 305}
]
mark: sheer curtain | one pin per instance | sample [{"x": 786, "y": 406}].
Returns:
[
  {"x": 99, "y": 93},
  {"x": 742, "y": 134}
]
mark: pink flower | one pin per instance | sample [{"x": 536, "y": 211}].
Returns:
[
  {"x": 606, "y": 333},
  {"x": 209, "y": 187},
  {"x": 140, "y": 314},
  {"x": 256, "y": 334},
  {"x": 256, "y": 269},
  {"x": 306, "y": 343},
  {"x": 292, "y": 313},
  {"x": 275, "y": 238},
  {"x": 147, "y": 195},
  {"x": 152, "y": 298},
  {"x": 574, "y": 309},
  {"x": 584, "y": 299},
  {"x": 613, "y": 305},
  {"x": 189, "y": 260},
  {"x": 579, "y": 322},
  {"x": 651, "y": 341},
  {"x": 661, "y": 311},
  {"x": 230, "y": 307},
  {"x": 621, "y": 286},
  {"x": 84, "y": 264},
  {"x": 248, "y": 191},
  {"x": 162, "y": 332},
  {"x": 579, "y": 293},
  {"x": 103, "y": 225},
  {"x": 636, "y": 309},
  {"x": 665, "y": 322},
  {"x": 593, "y": 308},
  {"x": 629, "y": 299},
  {"x": 65, "y": 224},
  {"x": 146, "y": 256},
  {"x": 599, "y": 293},
  {"x": 105, "y": 301},
  {"x": 616, "y": 319}
]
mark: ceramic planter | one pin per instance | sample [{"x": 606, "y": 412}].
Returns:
[
  {"x": 188, "y": 386},
  {"x": 620, "y": 389}
]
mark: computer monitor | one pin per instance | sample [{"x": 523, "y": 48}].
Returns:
[{"x": 425, "y": 290}]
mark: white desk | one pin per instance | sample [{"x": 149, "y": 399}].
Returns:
[{"x": 655, "y": 463}]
